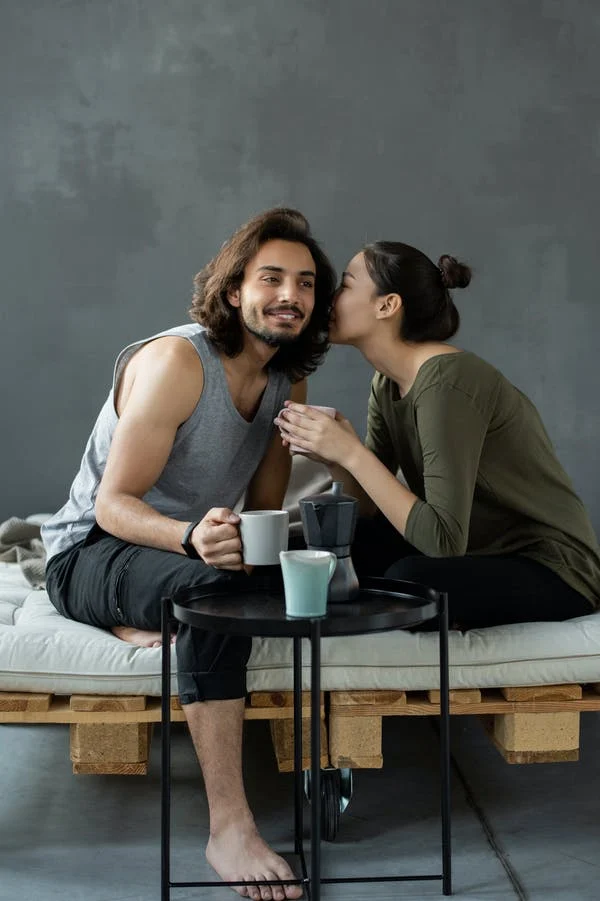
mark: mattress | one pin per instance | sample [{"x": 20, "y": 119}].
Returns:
[{"x": 41, "y": 651}]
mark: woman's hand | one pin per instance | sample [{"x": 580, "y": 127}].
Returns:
[{"x": 316, "y": 434}]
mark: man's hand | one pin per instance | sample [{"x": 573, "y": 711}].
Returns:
[{"x": 217, "y": 539}]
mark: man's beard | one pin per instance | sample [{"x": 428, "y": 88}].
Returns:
[{"x": 272, "y": 338}]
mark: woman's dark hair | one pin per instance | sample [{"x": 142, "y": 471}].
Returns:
[
  {"x": 225, "y": 273},
  {"x": 429, "y": 313}
]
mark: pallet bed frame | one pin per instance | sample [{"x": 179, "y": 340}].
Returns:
[{"x": 111, "y": 734}]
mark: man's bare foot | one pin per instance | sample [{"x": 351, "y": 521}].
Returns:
[
  {"x": 139, "y": 637},
  {"x": 238, "y": 853}
]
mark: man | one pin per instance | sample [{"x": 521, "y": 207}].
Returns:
[{"x": 186, "y": 430}]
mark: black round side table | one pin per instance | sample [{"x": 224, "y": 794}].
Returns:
[{"x": 382, "y": 605}]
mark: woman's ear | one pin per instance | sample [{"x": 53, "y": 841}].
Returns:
[{"x": 387, "y": 305}]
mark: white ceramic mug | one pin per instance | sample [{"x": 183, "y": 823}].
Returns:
[
  {"x": 329, "y": 411},
  {"x": 306, "y": 577},
  {"x": 264, "y": 534}
]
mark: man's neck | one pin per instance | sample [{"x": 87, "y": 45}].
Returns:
[
  {"x": 247, "y": 377},
  {"x": 253, "y": 360}
]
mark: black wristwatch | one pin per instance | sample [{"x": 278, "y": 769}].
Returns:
[{"x": 186, "y": 541}]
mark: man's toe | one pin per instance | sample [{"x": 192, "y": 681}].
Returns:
[
  {"x": 266, "y": 893},
  {"x": 287, "y": 891},
  {"x": 277, "y": 893},
  {"x": 253, "y": 890}
]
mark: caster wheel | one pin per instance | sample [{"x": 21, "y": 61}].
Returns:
[
  {"x": 336, "y": 792},
  {"x": 330, "y": 804}
]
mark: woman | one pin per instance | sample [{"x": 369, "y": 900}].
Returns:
[{"x": 488, "y": 514}]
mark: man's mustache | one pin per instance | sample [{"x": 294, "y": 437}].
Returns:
[{"x": 285, "y": 308}]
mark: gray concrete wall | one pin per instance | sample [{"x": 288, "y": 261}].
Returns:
[{"x": 137, "y": 134}]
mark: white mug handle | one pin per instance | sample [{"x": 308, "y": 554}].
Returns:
[{"x": 332, "y": 565}]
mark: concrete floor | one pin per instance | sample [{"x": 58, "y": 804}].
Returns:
[{"x": 527, "y": 832}]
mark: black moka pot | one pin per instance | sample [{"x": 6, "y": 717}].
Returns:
[{"x": 328, "y": 523}]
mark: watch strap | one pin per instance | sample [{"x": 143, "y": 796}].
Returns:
[{"x": 186, "y": 541}]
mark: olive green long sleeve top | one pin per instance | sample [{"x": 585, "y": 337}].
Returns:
[{"x": 474, "y": 451}]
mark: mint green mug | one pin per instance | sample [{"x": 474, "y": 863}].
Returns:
[{"x": 306, "y": 577}]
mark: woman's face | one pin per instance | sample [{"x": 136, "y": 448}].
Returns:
[{"x": 353, "y": 314}]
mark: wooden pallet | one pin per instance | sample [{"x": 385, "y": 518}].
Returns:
[
  {"x": 111, "y": 734},
  {"x": 532, "y": 724},
  {"x": 282, "y": 727}
]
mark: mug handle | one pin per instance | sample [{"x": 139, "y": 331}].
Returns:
[{"x": 332, "y": 566}]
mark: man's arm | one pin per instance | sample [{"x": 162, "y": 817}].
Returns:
[
  {"x": 162, "y": 390},
  {"x": 165, "y": 387},
  {"x": 268, "y": 485}
]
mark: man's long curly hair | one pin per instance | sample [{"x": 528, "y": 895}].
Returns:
[{"x": 225, "y": 273}]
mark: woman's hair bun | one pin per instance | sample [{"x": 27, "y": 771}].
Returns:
[{"x": 454, "y": 274}]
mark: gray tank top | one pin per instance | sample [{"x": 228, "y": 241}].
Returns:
[{"x": 215, "y": 454}]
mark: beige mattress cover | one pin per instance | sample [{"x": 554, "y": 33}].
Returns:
[{"x": 42, "y": 651}]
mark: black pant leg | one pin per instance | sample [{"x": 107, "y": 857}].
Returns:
[
  {"x": 106, "y": 582},
  {"x": 209, "y": 666},
  {"x": 491, "y": 591},
  {"x": 377, "y": 545}
]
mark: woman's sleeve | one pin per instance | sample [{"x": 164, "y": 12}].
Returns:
[
  {"x": 378, "y": 438},
  {"x": 451, "y": 432}
]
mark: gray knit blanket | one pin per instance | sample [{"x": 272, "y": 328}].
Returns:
[{"x": 20, "y": 543}]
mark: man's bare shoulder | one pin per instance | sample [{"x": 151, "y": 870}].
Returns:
[
  {"x": 171, "y": 350},
  {"x": 166, "y": 370}
]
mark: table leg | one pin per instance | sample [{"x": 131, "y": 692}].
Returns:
[
  {"x": 445, "y": 749},
  {"x": 298, "y": 790},
  {"x": 315, "y": 759},
  {"x": 165, "y": 772}
]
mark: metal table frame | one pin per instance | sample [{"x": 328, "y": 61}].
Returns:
[{"x": 314, "y": 881}]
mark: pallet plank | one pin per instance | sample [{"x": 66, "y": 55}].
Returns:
[
  {"x": 540, "y": 756},
  {"x": 110, "y": 743},
  {"x": 538, "y": 731},
  {"x": 536, "y": 737},
  {"x": 417, "y": 704},
  {"x": 457, "y": 695},
  {"x": 352, "y": 741},
  {"x": 492, "y": 701},
  {"x": 23, "y": 700},
  {"x": 359, "y": 698},
  {"x": 279, "y": 699},
  {"x": 103, "y": 703},
  {"x": 282, "y": 735},
  {"x": 564, "y": 692},
  {"x": 109, "y": 769}
]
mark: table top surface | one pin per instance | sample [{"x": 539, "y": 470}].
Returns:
[{"x": 382, "y": 605}]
